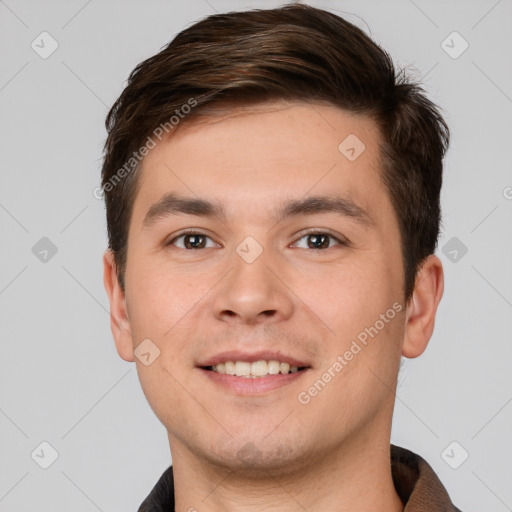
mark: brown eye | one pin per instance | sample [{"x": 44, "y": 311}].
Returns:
[
  {"x": 192, "y": 240},
  {"x": 318, "y": 240}
]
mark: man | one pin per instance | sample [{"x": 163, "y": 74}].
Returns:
[{"x": 272, "y": 192}]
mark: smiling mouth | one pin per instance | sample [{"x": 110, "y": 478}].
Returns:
[{"x": 254, "y": 370}]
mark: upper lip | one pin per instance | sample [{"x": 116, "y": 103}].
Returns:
[{"x": 263, "y": 355}]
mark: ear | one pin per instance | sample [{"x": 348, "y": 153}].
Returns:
[
  {"x": 119, "y": 322},
  {"x": 422, "y": 307}
]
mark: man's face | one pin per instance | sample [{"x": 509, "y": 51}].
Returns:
[{"x": 259, "y": 284}]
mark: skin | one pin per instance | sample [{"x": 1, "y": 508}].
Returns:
[{"x": 311, "y": 303}]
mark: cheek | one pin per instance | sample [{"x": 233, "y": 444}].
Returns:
[
  {"x": 161, "y": 307},
  {"x": 361, "y": 303},
  {"x": 351, "y": 297},
  {"x": 159, "y": 297}
]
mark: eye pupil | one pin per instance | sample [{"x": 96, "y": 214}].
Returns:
[
  {"x": 319, "y": 241},
  {"x": 191, "y": 241}
]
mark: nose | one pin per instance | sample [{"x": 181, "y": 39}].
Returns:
[{"x": 253, "y": 293}]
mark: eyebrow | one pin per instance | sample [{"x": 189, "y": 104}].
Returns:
[{"x": 173, "y": 204}]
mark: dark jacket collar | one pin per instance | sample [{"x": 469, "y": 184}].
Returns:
[{"x": 415, "y": 482}]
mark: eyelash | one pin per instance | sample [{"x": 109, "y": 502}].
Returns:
[{"x": 313, "y": 231}]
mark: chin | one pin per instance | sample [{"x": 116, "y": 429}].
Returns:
[{"x": 257, "y": 457}]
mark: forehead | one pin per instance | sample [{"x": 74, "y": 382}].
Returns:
[
  {"x": 290, "y": 131},
  {"x": 252, "y": 156}
]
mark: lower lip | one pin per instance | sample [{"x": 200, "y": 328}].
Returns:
[{"x": 252, "y": 386}]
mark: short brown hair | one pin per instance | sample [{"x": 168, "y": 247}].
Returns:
[{"x": 296, "y": 52}]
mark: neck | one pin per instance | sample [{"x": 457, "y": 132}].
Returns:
[{"x": 356, "y": 476}]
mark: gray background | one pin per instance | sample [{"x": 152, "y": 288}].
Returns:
[{"x": 61, "y": 379}]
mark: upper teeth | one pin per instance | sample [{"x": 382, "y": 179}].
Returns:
[{"x": 255, "y": 369}]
